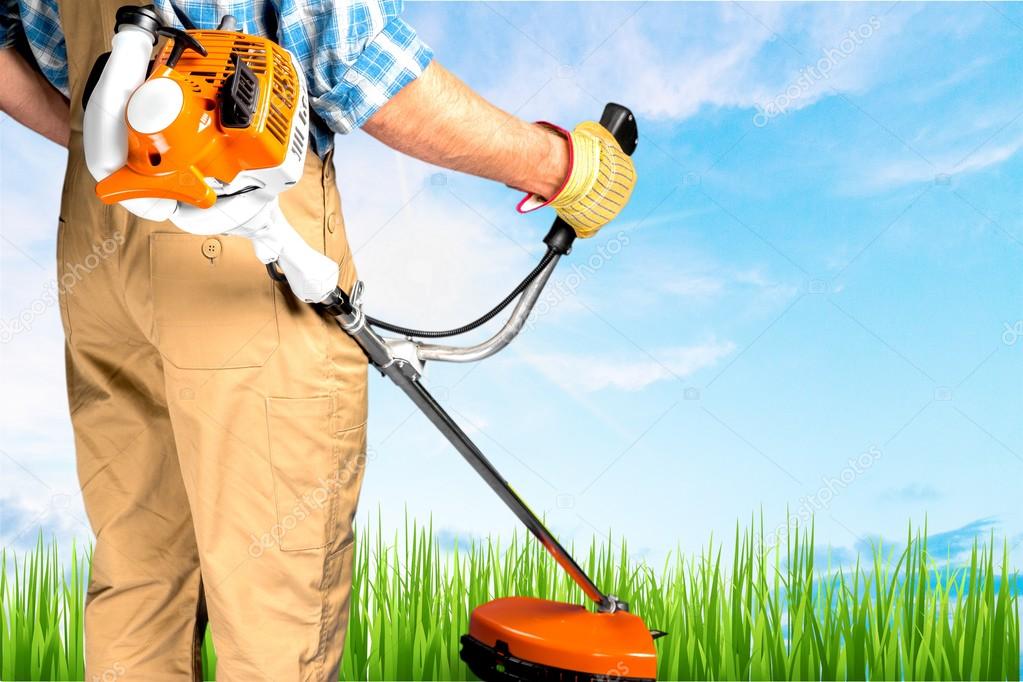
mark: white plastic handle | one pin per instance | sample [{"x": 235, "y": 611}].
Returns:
[
  {"x": 311, "y": 275},
  {"x": 105, "y": 132}
]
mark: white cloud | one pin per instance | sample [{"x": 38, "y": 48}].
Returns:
[
  {"x": 914, "y": 492},
  {"x": 695, "y": 281},
  {"x": 56, "y": 516},
  {"x": 666, "y": 61},
  {"x": 590, "y": 373},
  {"x": 432, "y": 252},
  {"x": 676, "y": 83},
  {"x": 894, "y": 173},
  {"x": 750, "y": 282},
  {"x": 694, "y": 286},
  {"x": 742, "y": 55}
]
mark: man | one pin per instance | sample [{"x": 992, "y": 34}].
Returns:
[{"x": 219, "y": 425}]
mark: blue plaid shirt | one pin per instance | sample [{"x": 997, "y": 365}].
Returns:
[{"x": 356, "y": 53}]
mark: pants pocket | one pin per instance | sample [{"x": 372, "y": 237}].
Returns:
[
  {"x": 351, "y": 448},
  {"x": 213, "y": 303},
  {"x": 305, "y": 460}
]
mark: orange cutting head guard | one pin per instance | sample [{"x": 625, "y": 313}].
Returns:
[{"x": 216, "y": 104}]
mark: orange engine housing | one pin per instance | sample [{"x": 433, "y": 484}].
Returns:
[
  {"x": 526, "y": 638},
  {"x": 175, "y": 162}
]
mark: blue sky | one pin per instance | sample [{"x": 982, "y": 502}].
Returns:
[{"x": 813, "y": 302}]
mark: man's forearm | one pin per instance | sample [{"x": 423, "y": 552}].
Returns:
[
  {"x": 438, "y": 119},
  {"x": 28, "y": 98}
]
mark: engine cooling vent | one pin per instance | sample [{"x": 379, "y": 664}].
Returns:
[{"x": 271, "y": 64}]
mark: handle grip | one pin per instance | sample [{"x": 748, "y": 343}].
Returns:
[
  {"x": 620, "y": 122},
  {"x": 311, "y": 275}
]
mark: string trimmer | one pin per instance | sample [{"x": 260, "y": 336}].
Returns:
[{"x": 207, "y": 136}]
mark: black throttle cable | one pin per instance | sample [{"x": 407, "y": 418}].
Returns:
[{"x": 478, "y": 322}]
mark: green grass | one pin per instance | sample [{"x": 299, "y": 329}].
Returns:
[{"x": 768, "y": 613}]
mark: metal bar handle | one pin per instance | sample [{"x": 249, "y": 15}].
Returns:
[
  {"x": 504, "y": 336},
  {"x": 620, "y": 122}
]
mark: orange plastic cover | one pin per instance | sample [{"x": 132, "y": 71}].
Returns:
[
  {"x": 567, "y": 636},
  {"x": 173, "y": 163}
]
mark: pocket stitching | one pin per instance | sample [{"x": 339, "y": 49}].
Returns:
[
  {"x": 332, "y": 501},
  {"x": 344, "y": 545},
  {"x": 335, "y": 526},
  {"x": 362, "y": 424}
]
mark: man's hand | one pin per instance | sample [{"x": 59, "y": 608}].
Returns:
[
  {"x": 438, "y": 119},
  {"x": 598, "y": 185},
  {"x": 28, "y": 98}
]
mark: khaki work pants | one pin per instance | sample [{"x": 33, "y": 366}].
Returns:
[{"x": 219, "y": 430}]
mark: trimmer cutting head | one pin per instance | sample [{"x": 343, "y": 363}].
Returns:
[{"x": 521, "y": 638}]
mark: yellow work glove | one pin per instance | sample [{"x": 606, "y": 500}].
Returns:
[{"x": 600, "y": 180}]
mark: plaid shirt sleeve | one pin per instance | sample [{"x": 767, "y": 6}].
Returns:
[
  {"x": 40, "y": 22},
  {"x": 357, "y": 54}
]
